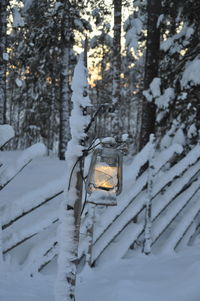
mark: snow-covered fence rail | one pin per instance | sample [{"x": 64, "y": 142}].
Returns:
[
  {"x": 22, "y": 230},
  {"x": 180, "y": 176},
  {"x": 16, "y": 210},
  {"x": 19, "y": 208},
  {"x": 10, "y": 171},
  {"x": 184, "y": 224}
]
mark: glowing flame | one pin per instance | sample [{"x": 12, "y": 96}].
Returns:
[{"x": 105, "y": 176}]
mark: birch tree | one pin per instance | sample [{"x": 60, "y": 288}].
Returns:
[{"x": 65, "y": 90}]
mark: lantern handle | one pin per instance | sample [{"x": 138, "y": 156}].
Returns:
[{"x": 101, "y": 108}]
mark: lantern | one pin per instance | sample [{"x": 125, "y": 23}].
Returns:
[{"x": 105, "y": 173}]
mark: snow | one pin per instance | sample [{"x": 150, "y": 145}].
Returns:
[
  {"x": 179, "y": 137},
  {"x": 160, "y": 19},
  {"x": 6, "y": 133},
  {"x": 155, "y": 87},
  {"x": 22, "y": 204},
  {"x": 35, "y": 184},
  {"x": 166, "y": 44},
  {"x": 163, "y": 100},
  {"x": 178, "y": 169},
  {"x": 173, "y": 277},
  {"x": 31, "y": 224},
  {"x": 125, "y": 137},
  {"x": 189, "y": 32},
  {"x": 172, "y": 43},
  {"x": 27, "y": 155},
  {"x": 100, "y": 197},
  {"x": 110, "y": 140},
  {"x": 27, "y": 4},
  {"x": 191, "y": 74},
  {"x": 24, "y": 288},
  {"x": 18, "y": 82},
  {"x": 183, "y": 225},
  {"x": 148, "y": 95},
  {"x": 192, "y": 131},
  {"x": 166, "y": 141},
  {"x": 133, "y": 33},
  {"x": 17, "y": 19},
  {"x": 58, "y": 5},
  {"x": 161, "y": 223},
  {"x": 5, "y": 56}
]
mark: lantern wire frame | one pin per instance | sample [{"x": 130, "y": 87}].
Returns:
[
  {"x": 105, "y": 172},
  {"x": 92, "y": 147}
]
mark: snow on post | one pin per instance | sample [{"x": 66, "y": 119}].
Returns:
[
  {"x": 70, "y": 211},
  {"x": 148, "y": 222},
  {"x": 6, "y": 133}
]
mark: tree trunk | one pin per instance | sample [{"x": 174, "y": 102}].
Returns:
[
  {"x": 151, "y": 70},
  {"x": 3, "y": 59},
  {"x": 65, "y": 90},
  {"x": 116, "y": 90},
  {"x": 52, "y": 119}
]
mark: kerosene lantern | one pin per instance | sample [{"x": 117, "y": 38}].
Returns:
[{"x": 105, "y": 173}]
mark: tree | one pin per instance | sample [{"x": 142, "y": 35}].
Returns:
[
  {"x": 33, "y": 73},
  {"x": 148, "y": 117},
  {"x": 133, "y": 70},
  {"x": 66, "y": 44},
  {"x": 101, "y": 77},
  {"x": 116, "y": 65},
  {"x": 178, "y": 105}
]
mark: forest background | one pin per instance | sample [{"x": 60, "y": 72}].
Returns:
[{"x": 143, "y": 63}]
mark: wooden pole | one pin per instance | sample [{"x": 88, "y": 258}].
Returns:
[{"x": 69, "y": 230}]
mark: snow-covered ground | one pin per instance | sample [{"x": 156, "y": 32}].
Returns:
[
  {"x": 172, "y": 277},
  {"x": 166, "y": 277}
]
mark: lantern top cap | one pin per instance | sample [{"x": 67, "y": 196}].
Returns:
[{"x": 108, "y": 141}]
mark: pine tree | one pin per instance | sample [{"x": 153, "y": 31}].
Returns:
[
  {"x": 178, "y": 105},
  {"x": 151, "y": 69}
]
